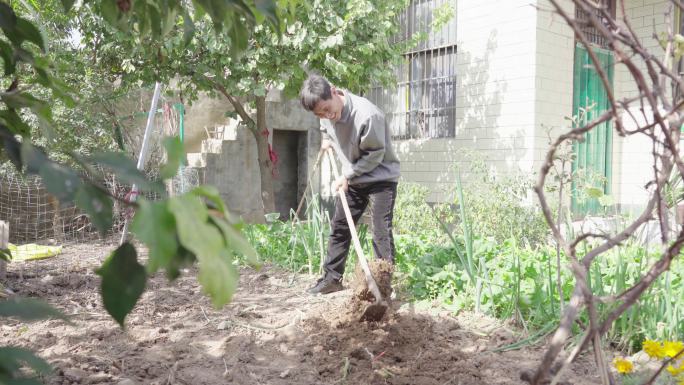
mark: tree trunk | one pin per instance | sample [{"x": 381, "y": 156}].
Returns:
[
  {"x": 258, "y": 129},
  {"x": 266, "y": 167}
]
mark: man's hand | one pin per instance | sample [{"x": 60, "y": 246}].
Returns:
[
  {"x": 325, "y": 144},
  {"x": 340, "y": 182}
]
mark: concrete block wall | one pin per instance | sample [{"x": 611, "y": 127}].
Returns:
[
  {"x": 554, "y": 81},
  {"x": 234, "y": 171},
  {"x": 230, "y": 163},
  {"x": 632, "y": 160},
  {"x": 496, "y": 96},
  {"x": 204, "y": 112},
  {"x": 645, "y": 17},
  {"x": 284, "y": 114}
]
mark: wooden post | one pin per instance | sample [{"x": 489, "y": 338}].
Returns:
[{"x": 4, "y": 244}]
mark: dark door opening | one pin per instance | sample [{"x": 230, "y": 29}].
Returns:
[{"x": 288, "y": 179}]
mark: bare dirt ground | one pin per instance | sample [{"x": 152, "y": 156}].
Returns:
[{"x": 272, "y": 333}]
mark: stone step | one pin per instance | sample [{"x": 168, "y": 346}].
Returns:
[
  {"x": 212, "y": 146},
  {"x": 197, "y": 159}
]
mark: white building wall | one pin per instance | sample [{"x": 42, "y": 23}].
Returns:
[
  {"x": 555, "y": 60},
  {"x": 514, "y": 83},
  {"x": 496, "y": 98},
  {"x": 632, "y": 164}
]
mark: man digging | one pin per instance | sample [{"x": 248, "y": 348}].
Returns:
[{"x": 356, "y": 129}]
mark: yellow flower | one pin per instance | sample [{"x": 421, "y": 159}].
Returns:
[
  {"x": 622, "y": 365},
  {"x": 654, "y": 349},
  {"x": 675, "y": 371},
  {"x": 672, "y": 348}
]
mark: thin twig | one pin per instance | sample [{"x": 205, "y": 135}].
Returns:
[{"x": 205, "y": 315}]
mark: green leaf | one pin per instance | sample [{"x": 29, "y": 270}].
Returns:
[
  {"x": 155, "y": 21},
  {"x": 183, "y": 258},
  {"x": 21, "y": 100},
  {"x": 332, "y": 41},
  {"x": 269, "y": 9},
  {"x": 217, "y": 275},
  {"x": 335, "y": 65},
  {"x": 594, "y": 192},
  {"x": 244, "y": 9},
  {"x": 14, "y": 123},
  {"x": 29, "y": 32},
  {"x": 140, "y": 8},
  {"x": 67, "y": 4},
  {"x": 238, "y": 38},
  {"x": 212, "y": 194},
  {"x": 123, "y": 282},
  {"x": 7, "y": 55},
  {"x": 188, "y": 29},
  {"x": 195, "y": 233},
  {"x": 174, "y": 154},
  {"x": 11, "y": 145},
  {"x": 97, "y": 205},
  {"x": 33, "y": 158},
  {"x": 200, "y": 11},
  {"x": 60, "y": 181},
  {"x": 215, "y": 8},
  {"x": 5, "y": 255},
  {"x": 236, "y": 241},
  {"x": 12, "y": 359},
  {"x": 126, "y": 170},
  {"x": 42, "y": 77},
  {"x": 259, "y": 90},
  {"x": 169, "y": 21},
  {"x": 22, "y": 55},
  {"x": 8, "y": 19},
  {"x": 155, "y": 225},
  {"x": 606, "y": 200},
  {"x": 109, "y": 12},
  {"x": 62, "y": 90},
  {"x": 29, "y": 309}
]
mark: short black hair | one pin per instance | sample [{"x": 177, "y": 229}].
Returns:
[{"x": 314, "y": 89}]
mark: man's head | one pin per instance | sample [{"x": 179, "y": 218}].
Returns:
[{"x": 319, "y": 97}]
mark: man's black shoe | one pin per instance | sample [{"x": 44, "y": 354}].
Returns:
[{"x": 326, "y": 285}]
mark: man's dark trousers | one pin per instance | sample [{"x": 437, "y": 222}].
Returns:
[{"x": 382, "y": 194}]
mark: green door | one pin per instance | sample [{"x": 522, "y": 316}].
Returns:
[{"x": 591, "y": 166}]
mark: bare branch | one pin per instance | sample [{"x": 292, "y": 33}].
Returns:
[
  {"x": 558, "y": 340},
  {"x": 660, "y": 122}
]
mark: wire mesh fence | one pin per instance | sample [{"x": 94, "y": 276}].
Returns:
[
  {"x": 35, "y": 216},
  {"x": 186, "y": 179}
]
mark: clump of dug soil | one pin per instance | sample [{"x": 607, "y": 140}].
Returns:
[
  {"x": 362, "y": 296},
  {"x": 382, "y": 273}
]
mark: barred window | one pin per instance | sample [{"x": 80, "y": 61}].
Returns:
[
  {"x": 423, "y": 103},
  {"x": 591, "y": 33}
]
